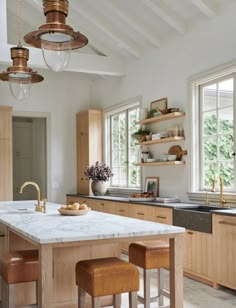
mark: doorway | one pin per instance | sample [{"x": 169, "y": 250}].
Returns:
[{"x": 29, "y": 156}]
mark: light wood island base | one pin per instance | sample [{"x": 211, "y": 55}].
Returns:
[{"x": 57, "y": 286}]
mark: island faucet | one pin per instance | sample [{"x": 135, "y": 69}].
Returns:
[
  {"x": 38, "y": 206},
  {"x": 222, "y": 199}
]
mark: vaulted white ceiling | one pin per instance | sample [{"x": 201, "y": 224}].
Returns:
[{"x": 116, "y": 29}]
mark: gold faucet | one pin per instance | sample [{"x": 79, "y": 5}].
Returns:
[
  {"x": 38, "y": 207},
  {"x": 222, "y": 199}
]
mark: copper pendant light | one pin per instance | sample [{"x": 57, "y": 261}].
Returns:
[
  {"x": 19, "y": 75},
  {"x": 56, "y": 35}
]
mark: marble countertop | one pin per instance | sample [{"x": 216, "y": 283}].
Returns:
[{"x": 54, "y": 228}]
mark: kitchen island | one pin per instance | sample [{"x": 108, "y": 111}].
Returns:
[{"x": 64, "y": 240}]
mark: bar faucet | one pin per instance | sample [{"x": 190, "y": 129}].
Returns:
[
  {"x": 222, "y": 199},
  {"x": 38, "y": 207}
]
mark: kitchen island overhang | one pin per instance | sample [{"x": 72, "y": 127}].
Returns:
[{"x": 64, "y": 240}]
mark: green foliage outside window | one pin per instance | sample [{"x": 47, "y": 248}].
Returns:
[{"x": 218, "y": 148}]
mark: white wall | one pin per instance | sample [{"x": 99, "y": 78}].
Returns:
[
  {"x": 59, "y": 97},
  {"x": 165, "y": 73}
]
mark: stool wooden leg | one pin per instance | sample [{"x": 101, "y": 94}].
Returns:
[
  {"x": 146, "y": 287},
  {"x": 117, "y": 300},
  {"x": 81, "y": 298},
  {"x": 133, "y": 300},
  {"x": 8, "y": 295},
  {"x": 95, "y": 302},
  {"x": 160, "y": 286}
]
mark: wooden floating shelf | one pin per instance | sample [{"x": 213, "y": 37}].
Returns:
[
  {"x": 162, "y": 163},
  {"x": 162, "y": 140},
  {"x": 163, "y": 117}
]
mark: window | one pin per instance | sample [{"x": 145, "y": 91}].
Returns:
[
  {"x": 121, "y": 152},
  {"x": 213, "y": 131}
]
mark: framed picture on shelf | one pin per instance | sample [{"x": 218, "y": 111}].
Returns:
[
  {"x": 152, "y": 186},
  {"x": 160, "y": 104}
]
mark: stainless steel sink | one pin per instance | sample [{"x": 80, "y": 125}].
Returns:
[{"x": 197, "y": 218}]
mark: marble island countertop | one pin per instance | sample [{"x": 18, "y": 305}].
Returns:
[{"x": 53, "y": 228}]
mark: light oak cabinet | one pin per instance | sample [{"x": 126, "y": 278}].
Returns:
[
  {"x": 5, "y": 153},
  {"x": 224, "y": 230},
  {"x": 198, "y": 255},
  {"x": 89, "y": 145},
  {"x": 162, "y": 215}
]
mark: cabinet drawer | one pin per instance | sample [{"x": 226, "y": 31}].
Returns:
[
  {"x": 162, "y": 215},
  {"x": 122, "y": 209},
  {"x": 143, "y": 212}
]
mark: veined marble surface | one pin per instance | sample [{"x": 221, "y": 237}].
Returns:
[{"x": 54, "y": 228}]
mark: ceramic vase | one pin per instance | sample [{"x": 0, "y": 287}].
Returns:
[{"x": 99, "y": 188}]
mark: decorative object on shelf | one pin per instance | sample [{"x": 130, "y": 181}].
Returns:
[
  {"x": 99, "y": 173},
  {"x": 145, "y": 154},
  {"x": 177, "y": 150},
  {"x": 158, "y": 106},
  {"x": 56, "y": 38},
  {"x": 140, "y": 135},
  {"x": 152, "y": 186},
  {"x": 19, "y": 75}
]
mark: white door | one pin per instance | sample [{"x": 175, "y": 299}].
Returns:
[{"x": 22, "y": 160}]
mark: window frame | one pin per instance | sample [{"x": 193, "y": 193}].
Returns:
[
  {"x": 128, "y": 105},
  {"x": 193, "y": 132}
]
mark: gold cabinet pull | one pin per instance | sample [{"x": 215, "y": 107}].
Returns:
[
  {"x": 162, "y": 217},
  {"x": 140, "y": 213},
  {"x": 227, "y": 223},
  {"x": 102, "y": 203},
  {"x": 121, "y": 211},
  {"x": 190, "y": 232}
]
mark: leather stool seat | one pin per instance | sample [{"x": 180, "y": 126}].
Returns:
[
  {"x": 106, "y": 276},
  {"x": 151, "y": 255},
  {"x": 17, "y": 267}
]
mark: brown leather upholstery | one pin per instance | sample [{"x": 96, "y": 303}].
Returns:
[
  {"x": 19, "y": 266},
  {"x": 150, "y": 255},
  {"x": 107, "y": 276}
]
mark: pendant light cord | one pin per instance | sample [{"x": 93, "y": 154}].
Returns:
[{"x": 19, "y": 21}]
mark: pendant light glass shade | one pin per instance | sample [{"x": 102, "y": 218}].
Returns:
[
  {"x": 19, "y": 88},
  {"x": 56, "y": 60},
  {"x": 56, "y": 38}
]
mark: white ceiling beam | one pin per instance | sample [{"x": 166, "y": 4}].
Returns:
[
  {"x": 3, "y": 21},
  {"x": 206, "y": 9},
  {"x": 79, "y": 62},
  {"x": 167, "y": 16},
  {"x": 121, "y": 43},
  {"x": 153, "y": 39}
]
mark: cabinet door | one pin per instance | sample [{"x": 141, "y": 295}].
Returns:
[
  {"x": 162, "y": 215},
  {"x": 224, "y": 230},
  {"x": 198, "y": 254}
]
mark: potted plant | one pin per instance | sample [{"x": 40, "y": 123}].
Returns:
[
  {"x": 141, "y": 134},
  {"x": 99, "y": 173}
]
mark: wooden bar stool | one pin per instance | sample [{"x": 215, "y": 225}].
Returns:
[
  {"x": 106, "y": 276},
  {"x": 151, "y": 255},
  {"x": 17, "y": 267}
]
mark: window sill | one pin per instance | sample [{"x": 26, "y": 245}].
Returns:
[{"x": 213, "y": 198}]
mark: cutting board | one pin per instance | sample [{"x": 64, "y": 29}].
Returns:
[{"x": 177, "y": 150}]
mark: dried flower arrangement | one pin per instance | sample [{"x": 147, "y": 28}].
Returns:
[{"x": 98, "y": 172}]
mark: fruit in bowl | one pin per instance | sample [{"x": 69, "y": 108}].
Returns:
[
  {"x": 142, "y": 195},
  {"x": 74, "y": 206}
]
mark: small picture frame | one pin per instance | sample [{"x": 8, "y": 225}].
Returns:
[
  {"x": 152, "y": 186},
  {"x": 160, "y": 104}
]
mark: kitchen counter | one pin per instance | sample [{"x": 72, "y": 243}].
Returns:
[
  {"x": 64, "y": 240},
  {"x": 226, "y": 211}
]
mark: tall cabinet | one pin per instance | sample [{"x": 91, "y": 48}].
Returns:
[
  {"x": 5, "y": 153},
  {"x": 89, "y": 145}
]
